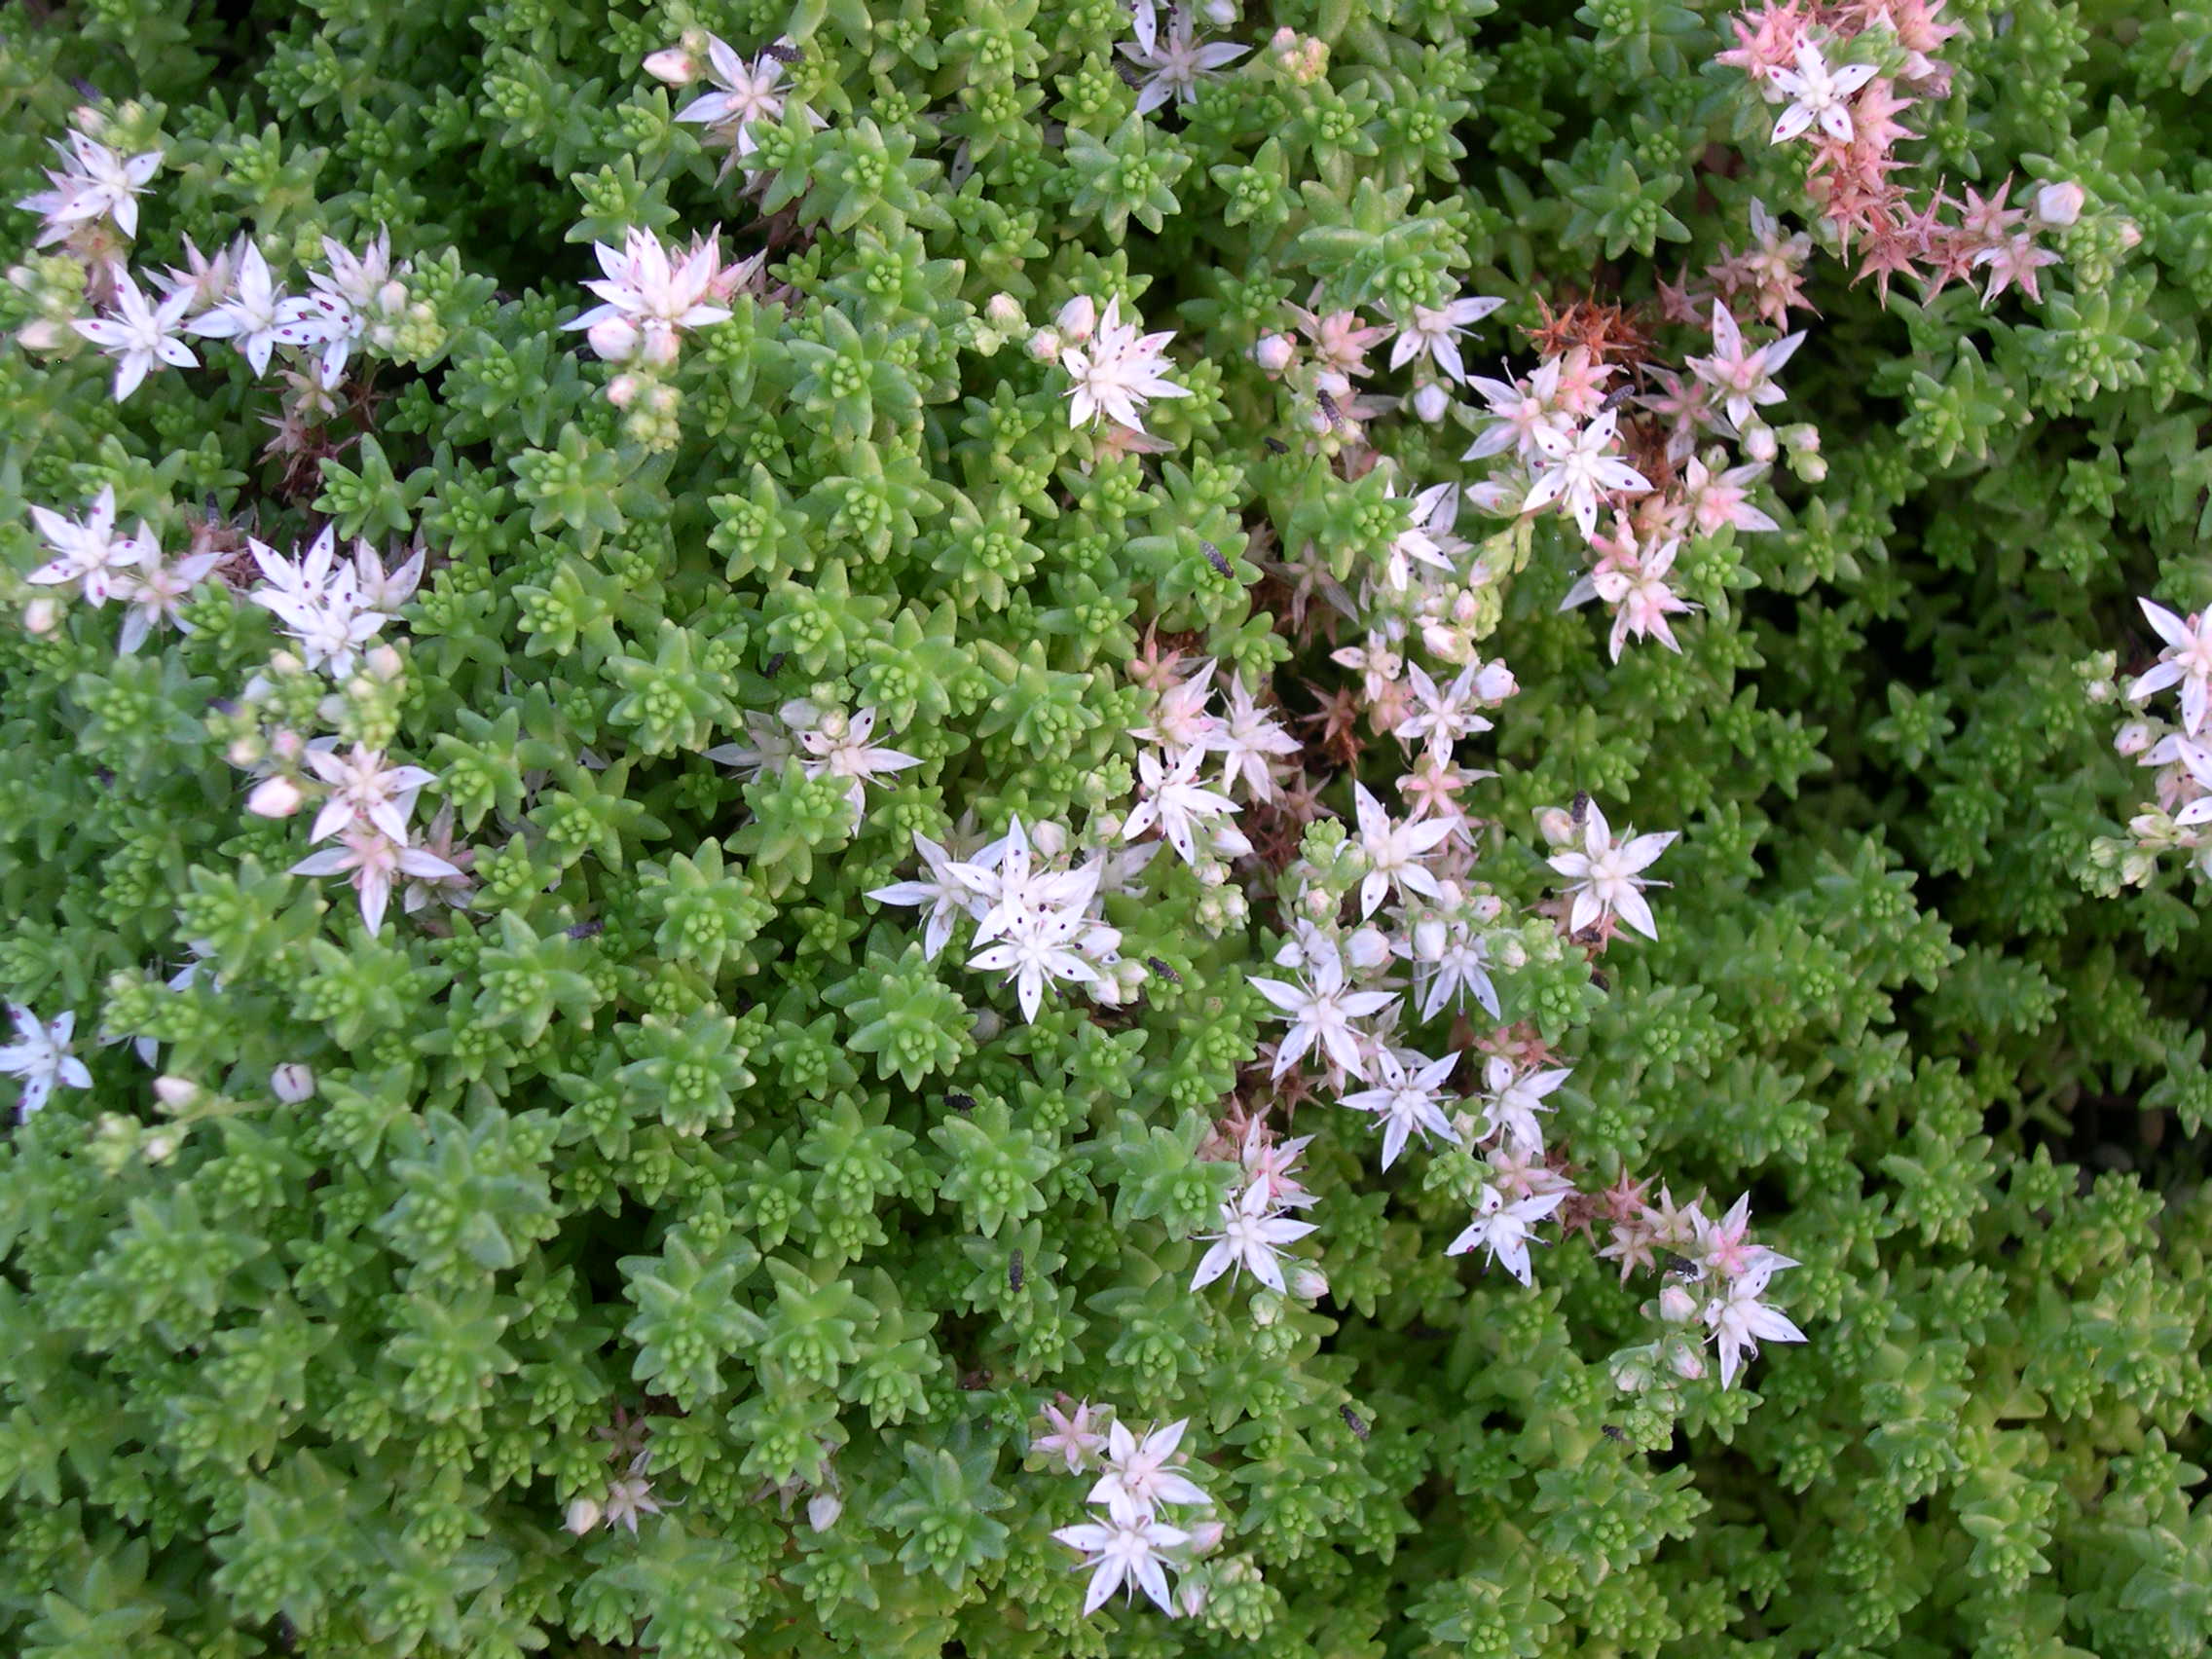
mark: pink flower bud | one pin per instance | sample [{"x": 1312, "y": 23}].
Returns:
[
  {"x": 1003, "y": 310},
  {"x": 1429, "y": 938},
  {"x": 40, "y": 334},
  {"x": 622, "y": 390},
  {"x": 162, "y": 1145},
  {"x": 823, "y": 1510},
  {"x": 1687, "y": 1362},
  {"x": 1760, "y": 443},
  {"x": 1309, "y": 1284},
  {"x": 1191, "y": 1598},
  {"x": 1078, "y": 318},
  {"x": 175, "y": 1093},
  {"x": 660, "y": 345},
  {"x": 291, "y": 1083},
  {"x": 1430, "y": 401},
  {"x": 1206, "y": 1536},
  {"x": 613, "y": 338},
  {"x": 1274, "y": 353},
  {"x": 41, "y": 616},
  {"x": 1677, "y": 1306},
  {"x": 1218, "y": 13},
  {"x": 672, "y": 67},
  {"x": 1045, "y": 345},
  {"x": 1511, "y": 955},
  {"x": 2060, "y": 203},
  {"x": 287, "y": 745},
  {"x": 1488, "y": 906},
  {"x": 1555, "y": 825},
  {"x": 1494, "y": 683},
  {"x": 1367, "y": 949},
  {"x": 2134, "y": 737},
  {"x": 583, "y": 1515},
  {"x": 273, "y": 797}
]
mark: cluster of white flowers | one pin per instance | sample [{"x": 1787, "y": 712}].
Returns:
[
  {"x": 366, "y": 802},
  {"x": 2178, "y": 817},
  {"x": 1115, "y": 367},
  {"x": 1131, "y": 1544},
  {"x": 629, "y": 1491},
  {"x": 100, "y": 565},
  {"x": 350, "y": 301},
  {"x": 1033, "y": 898},
  {"x": 650, "y": 294},
  {"x": 827, "y": 742},
  {"x": 332, "y": 607},
  {"x": 745, "y": 93},
  {"x": 1715, "y": 1280}
]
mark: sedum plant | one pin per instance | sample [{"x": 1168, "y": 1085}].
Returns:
[{"x": 818, "y": 842}]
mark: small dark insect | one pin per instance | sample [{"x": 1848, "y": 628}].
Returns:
[
  {"x": 1581, "y": 806},
  {"x": 585, "y": 930},
  {"x": 222, "y": 704},
  {"x": 958, "y": 1101},
  {"x": 1615, "y": 1432},
  {"x": 1601, "y": 982},
  {"x": 1275, "y": 446},
  {"x": 773, "y": 664},
  {"x": 783, "y": 53},
  {"x": 1336, "y": 415},
  {"x": 214, "y": 513},
  {"x": 1014, "y": 1272},
  {"x": 1674, "y": 1264},
  {"x": 1353, "y": 1420},
  {"x": 1129, "y": 72},
  {"x": 1614, "y": 398},
  {"x": 1221, "y": 566},
  {"x": 85, "y": 87},
  {"x": 1164, "y": 971}
]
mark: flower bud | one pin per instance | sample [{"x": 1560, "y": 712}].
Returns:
[
  {"x": 1494, "y": 681},
  {"x": 1687, "y": 1362},
  {"x": 1429, "y": 938},
  {"x": 1430, "y": 401},
  {"x": 1003, "y": 310},
  {"x": 2134, "y": 737},
  {"x": 41, "y": 616},
  {"x": 823, "y": 1510},
  {"x": 40, "y": 334},
  {"x": 1511, "y": 955},
  {"x": 2060, "y": 203},
  {"x": 385, "y": 662},
  {"x": 1077, "y": 319},
  {"x": 162, "y": 1145},
  {"x": 1555, "y": 825},
  {"x": 672, "y": 67},
  {"x": 1760, "y": 443},
  {"x": 1677, "y": 1306},
  {"x": 287, "y": 745},
  {"x": 393, "y": 296},
  {"x": 583, "y": 1515},
  {"x": 1309, "y": 1284},
  {"x": 1267, "y": 1308},
  {"x": 613, "y": 338},
  {"x": 291, "y": 1083},
  {"x": 1045, "y": 345},
  {"x": 1222, "y": 14},
  {"x": 1367, "y": 949},
  {"x": 1274, "y": 353},
  {"x": 273, "y": 797},
  {"x": 175, "y": 1093},
  {"x": 1191, "y": 1598},
  {"x": 1487, "y": 908},
  {"x": 660, "y": 345}
]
